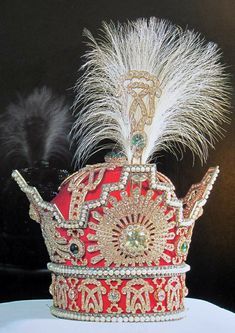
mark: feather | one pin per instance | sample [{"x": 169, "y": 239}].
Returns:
[
  {"x": 187, "y": 91},
  {"x": 35, "y": 129}
]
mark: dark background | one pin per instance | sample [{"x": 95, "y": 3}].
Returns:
[{"x": 41, "y": 44}]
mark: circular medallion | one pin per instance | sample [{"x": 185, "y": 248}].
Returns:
[
  {"x": 134, "y": 240},
  {"x": 133, "y": 230}
]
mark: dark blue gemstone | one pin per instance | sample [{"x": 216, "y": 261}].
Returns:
[{"x": 74, "y": 248}]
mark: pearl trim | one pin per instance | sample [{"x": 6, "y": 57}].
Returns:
[
  {"x": 118, "y": 272},
  {"x": 100, "y": 317}
]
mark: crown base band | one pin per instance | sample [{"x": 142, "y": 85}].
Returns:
[
  {"x": 89, "y": 298},
  {"x": 148, "y": 317}
]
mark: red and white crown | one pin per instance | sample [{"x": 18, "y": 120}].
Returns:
[
  {"x": 118, "y": 238},
  {"x": 116, "y": 233}
]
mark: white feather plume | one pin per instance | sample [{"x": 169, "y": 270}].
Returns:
[
  {"x": 35, "y": 128},
  {"x": 194, "y": 89}
]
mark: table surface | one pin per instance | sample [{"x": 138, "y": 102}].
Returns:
[{"x": 33, "y": 316}]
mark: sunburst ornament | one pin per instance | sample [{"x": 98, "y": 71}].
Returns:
[{"x": 133, "y": 230}]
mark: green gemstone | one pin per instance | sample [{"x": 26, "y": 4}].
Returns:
[
  {"x": 110, "y": 154},
  {"x": 184, "y": 247},
  {"x": 138, "y": 140},
  {"x": 115, "y": 154},
  {"x": 120, "y": 154}
]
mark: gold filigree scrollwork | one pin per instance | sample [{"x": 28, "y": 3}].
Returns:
[
  {"x": 184, "y": 290},
  {"x": 114, "y": 295},
  {"x": 33, "y": 213},
  {"x": 52, "y": 285},
  {"x": 91, "y": 299},
  {"x": 159, "y": 295},
  {"x": 173, "y": 289},
  {"x": 59, "y": 290},
  {"x": 79, "y": 189},
  {"x": 73, "y": 294},
  {"x": 143, "y": 88},
  {"x": 137, "y": 295},
  {"x": 59, "y": 248},
  {"x": 134, "y": 230},
  {"x": 183, "y": 244},
  {"x": 56, "y": 245}
]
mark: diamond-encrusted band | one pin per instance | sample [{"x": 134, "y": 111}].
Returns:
[
  {"x": 148, "y": 317},
  {"x": 123, "y": 272}
]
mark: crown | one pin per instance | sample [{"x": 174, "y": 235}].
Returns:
[
  {"x": 117, "y": 235},
  {"x": 118, "y": 238}
]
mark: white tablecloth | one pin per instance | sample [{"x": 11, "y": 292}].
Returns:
[{"x": 34, "y": 317}]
